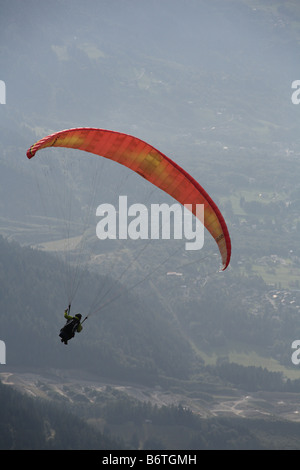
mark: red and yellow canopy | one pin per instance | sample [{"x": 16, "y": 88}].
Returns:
[{"x": 149, "y": 163}]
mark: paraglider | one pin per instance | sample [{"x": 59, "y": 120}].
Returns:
[
  {"x": 151, "y": 164},
  {"x": 155, "y": 167},
  {"x": 72, "y": 326}
]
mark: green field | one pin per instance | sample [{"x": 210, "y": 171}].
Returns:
[
  {"x": 283, "y": 276},
  {"x": 252, "y": 358}
]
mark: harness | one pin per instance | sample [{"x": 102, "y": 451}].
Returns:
[{"x": 69, "y": 329}]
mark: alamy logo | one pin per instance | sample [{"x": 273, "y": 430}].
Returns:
[
  {"x": 2, "y": 353},
  {"x": 295, "y": 356},
  {"x": 135, "y": 222},
  {"x": 2, "y": 92},
  {"x": 295, "y": 95}
]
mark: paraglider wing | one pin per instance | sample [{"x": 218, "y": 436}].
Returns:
[{"x": 149, "y": 163}]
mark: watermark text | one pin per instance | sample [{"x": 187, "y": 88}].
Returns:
[
  {"x": 296, "y": 94},
  {"x": 164, "y": 222},
  {"x": 2, "y": 352},
  {"x": 296, "y": 354},
  {"x": 2, "y": 92}
]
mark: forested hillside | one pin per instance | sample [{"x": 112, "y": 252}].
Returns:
[
  {"x": 29, "y": 424},
  {"x": 114, "y": 421}
]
